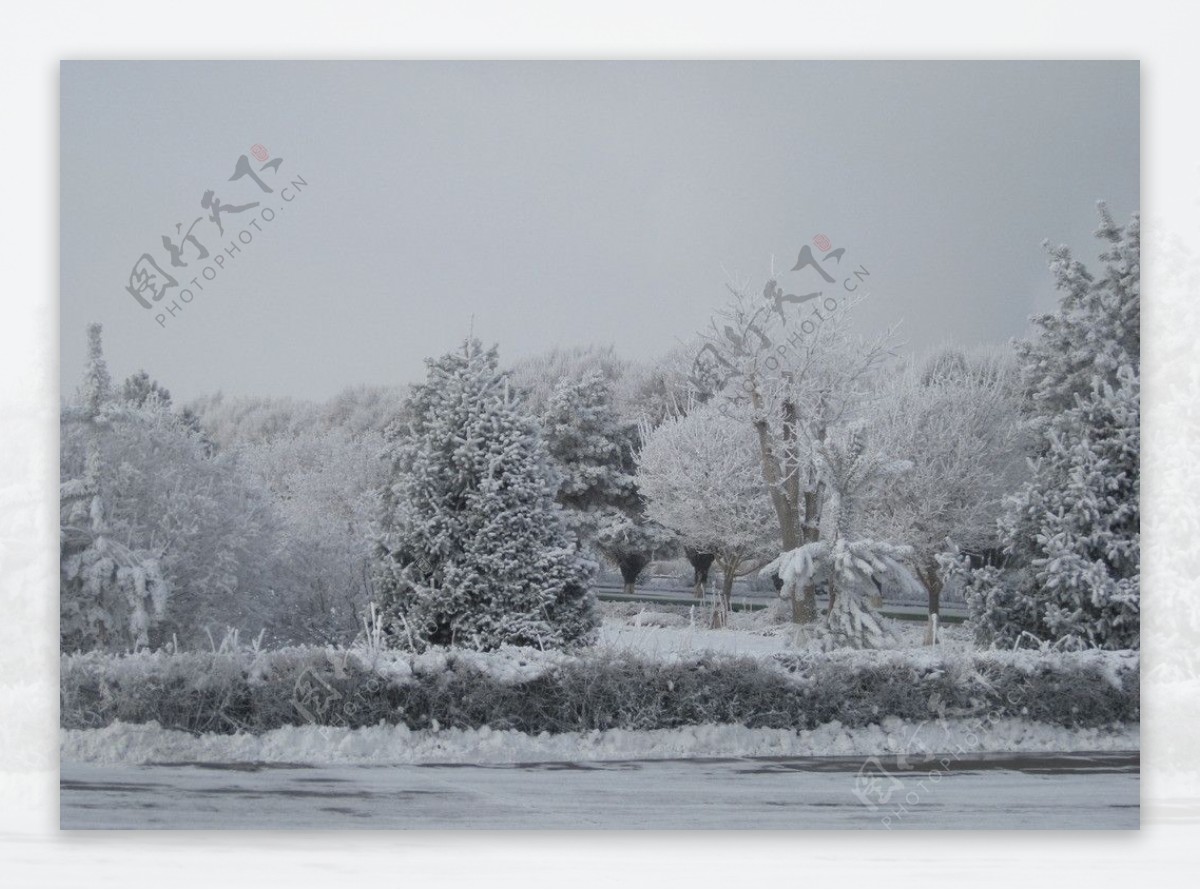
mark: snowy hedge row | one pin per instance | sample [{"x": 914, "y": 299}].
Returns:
[{"x": 534, "y": 692}]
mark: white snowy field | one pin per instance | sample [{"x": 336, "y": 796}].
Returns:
[{"x": 1083, "y": 792}]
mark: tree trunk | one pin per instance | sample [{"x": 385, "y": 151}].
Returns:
[
  {"x": 631, "y": 566},
  {"x": 932, "y": 579},
  {"x": 701, "y": 562},
  {"x": 724, "y": 604},
  {"x": 774, "y": 470},
  {"x": 781, "y": 472},
  {"x": 785, "y": 512},
  {"x": 804, "y": 607},
  {"x": 791, "y": 457}
]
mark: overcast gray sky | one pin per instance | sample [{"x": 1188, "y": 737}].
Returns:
[{"x": 563, "y": 203}]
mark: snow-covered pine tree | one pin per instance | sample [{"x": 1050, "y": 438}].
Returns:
[
  {"x": 138, "y": 389},
  {"x": 593, "y": 451},
  {"x": 1072, "y": 534},
  {"x": 110, "y": 595},
  {"x": 471, "y": 547}
]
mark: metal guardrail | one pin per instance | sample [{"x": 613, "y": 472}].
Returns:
[{"x": 951, "y": 613}]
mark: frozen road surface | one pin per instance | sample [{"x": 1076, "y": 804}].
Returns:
[{"x": 991, "y": 791}]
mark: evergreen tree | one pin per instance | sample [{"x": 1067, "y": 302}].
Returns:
[
  {"x": 593, "y": 450},
  {"x": 140, "y": 388},
  {"x": 95, "y": 390},
  {"x": 110, "y": 594},
  {"x": 471, "y": 549},
  {"x": 1071, "y": 535}
]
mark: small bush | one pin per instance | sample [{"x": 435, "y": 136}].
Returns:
[{"x": 530, "y": 691}]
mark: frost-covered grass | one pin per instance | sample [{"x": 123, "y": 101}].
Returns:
[{"x": 641, "y": 676}]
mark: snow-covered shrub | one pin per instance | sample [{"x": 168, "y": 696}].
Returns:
[
  {"x": 247, "y": 689},
  {"x": 851, "y": 569},
  {"x": 659, "y": 619},
  {"x": 472, "y": 550}
]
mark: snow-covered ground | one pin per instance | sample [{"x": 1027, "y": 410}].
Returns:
[
  {"x": 655, "y": 633},
  {"x": 149, "y": 743}
]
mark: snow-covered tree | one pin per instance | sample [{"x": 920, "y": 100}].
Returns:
[
  {"x": 146, "y": 504},
  {"x": 664, "y": 387},
  {"x": 632, "y": 542},
  {"x": 700, "y": 476},
  {"x": 536, "y": 377},
  {"x": 592, "y": 444},
  {"x": 1071, "y": 535},
  {"x": 700, "y": 559},
  {"x": 851, "y": 570},
  {"x": 472, "y": 549},
  {"x": 95, "y": 389},
  {"x": 322, "y": 485},
  {"x": 593, "y": 451},
  {"x": 794, "y": 378},
  {"x": 140, "y": 388},
  {"x": 111, "y": 593},
  {"x": 955, "y": 418},
  {"x": 254, "y": 420}
]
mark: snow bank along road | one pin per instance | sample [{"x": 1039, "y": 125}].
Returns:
[{"x": 1081, "y": 790}]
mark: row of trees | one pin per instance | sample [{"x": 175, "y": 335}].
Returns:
[
  {"x": 168, "y": 537},
  {"x": 473, "y": 509},
  {"x": 903, "y": 460}
]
